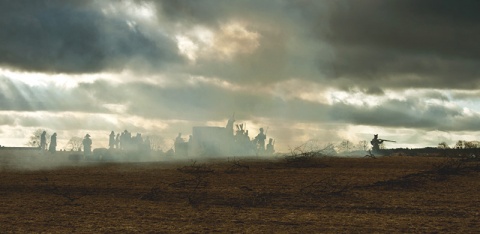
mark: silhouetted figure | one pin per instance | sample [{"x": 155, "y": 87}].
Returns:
[
  {"x": 180, "y": 146},
  {"x": 179, "y": 139},
  {"x": 122, "y": 140},
  {"x": 376, "y": 143},
  {"x": 146, "y": 144},
  {"x": 111, "y": 140},
  {"x": 270, "y": 147},
  {"x": 138, "y": 141},
  {"x": 126, "y": 140},
  {"x": 87, "y": 145},
  {"x": 53, "y": 143},
  {"x": 246, "y": 138},
  {"x": 117, "y": 141},
  {"x": 260, "y": 140},
  {"x": 43, "y": 140},
  {"x": 229, "y": 126}
]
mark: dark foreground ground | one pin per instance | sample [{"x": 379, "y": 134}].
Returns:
[{"x": 362, "y": 195}]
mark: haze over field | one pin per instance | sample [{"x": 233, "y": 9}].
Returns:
[{"x": 306, "y": 69}]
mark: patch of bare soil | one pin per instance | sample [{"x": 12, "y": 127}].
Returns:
[{"x": 364, "y": 195}]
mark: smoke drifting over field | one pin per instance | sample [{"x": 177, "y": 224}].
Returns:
[
  {"x": 28, "y": 160},
  {"x": 34, "y": 160},
  {"x": 325, "y": 70}
]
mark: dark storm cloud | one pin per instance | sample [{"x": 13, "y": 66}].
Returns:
[
  {"x": 409, "y": 113},
  {"x": 404, "y": 43},
  {"x": 73, "y": 37},
  {"x": 211, "y": 12},
  {"x": 373, "y": 44},
  {"x": 370, "y": 44}
]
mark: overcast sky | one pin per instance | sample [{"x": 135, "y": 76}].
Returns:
[{"x": 304, "y": 69}]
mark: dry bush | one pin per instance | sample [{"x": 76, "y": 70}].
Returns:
[
  {"x": 457, "y": 165},
  {"x": 439, "y": 172},
  {"x": 236, "y": 167},
  {"x": 192, "y": 190},
  {"x": 200, "y": 172},
  {"x": 194, "y": 196},
  {"x": 68, "y": 193},
  {"x": 302, "y": 157},
  {"x": 450, "y": 166}
]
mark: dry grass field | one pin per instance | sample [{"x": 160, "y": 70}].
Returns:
[{"x": 398, "y": 194}]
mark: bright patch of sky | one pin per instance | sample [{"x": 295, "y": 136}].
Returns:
[
  {"x": 142, "y": 11},
  {"x": 225, "y": 43},
  {"x": 355, "y": 98}
]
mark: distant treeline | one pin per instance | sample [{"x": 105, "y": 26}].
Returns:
[{"x": 433, "y": 151}]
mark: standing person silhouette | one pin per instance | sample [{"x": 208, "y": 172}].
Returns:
[
  {"x": 87, "y": 145},
  {"x": 111, "y": 140},
  {"x": 43, "y": 141},
  {"x": 376, "y": 143},
  {"x": 53, "y": 143},
  {"x": 260, "y": 140}
]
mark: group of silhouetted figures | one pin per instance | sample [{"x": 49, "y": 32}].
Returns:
[
  {"x": 125, "y": 141},
  {"x": 213, "y": 141},
  {"x": 257, "y": 144},
  {"x": 52, "y": 147},
  {"x": 53, "y": 142}
]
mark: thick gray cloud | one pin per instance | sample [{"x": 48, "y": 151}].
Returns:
[
  {"x": 73, "y": 37},
  {"x": 404, "y": 43},
  {"x": 371, "y": 44}
]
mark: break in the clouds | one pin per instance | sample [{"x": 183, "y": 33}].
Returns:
[{"x": 326, "y": 70}]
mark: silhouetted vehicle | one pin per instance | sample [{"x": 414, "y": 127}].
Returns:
[{"x": 218, "y": 141}]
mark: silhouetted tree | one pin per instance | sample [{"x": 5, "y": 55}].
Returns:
[
  {"x": 74, "y": 144},
  {"x": 459, "y": 145},
  {"x": 345, "y": 146},
  {"x": 470, "y": 144},
  {"x": 363, "y": 145},
  {"x": 443, "y": 145}
]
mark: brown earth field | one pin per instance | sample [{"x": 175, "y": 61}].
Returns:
[{"x": 396, "y": 194}]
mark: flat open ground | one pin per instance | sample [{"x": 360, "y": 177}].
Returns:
[{"x": 364, "y": 195}]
